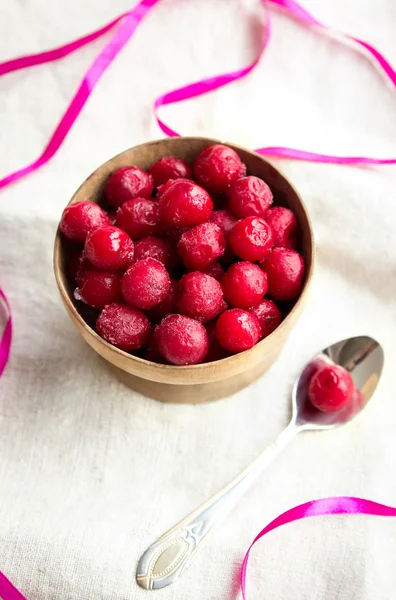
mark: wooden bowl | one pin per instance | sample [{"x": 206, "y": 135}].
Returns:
[{"x": 208, "y": 381}]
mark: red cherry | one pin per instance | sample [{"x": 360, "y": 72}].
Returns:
[
  {"x": 285, "y": 270},
  {"x": 249, "y": 196},
  {"x": 182, "y": 203},
  {"x": 217, "y": 167},
  {"x": 80, "y": 218},
  {"x": 109, "y": 248},
  {"x": 98, "y": 288},
  {"x": 268, "y": 315},
  {"x": 167, "y": 306},
  {"x": 244, "y": 285},
  {"x": 123, "y": 326},
  {"x": 182, "y": 340},
  {"x": 200, "y": 297},
  {"x": 251, "y": 239},
  {"x": 145, "y": 284},
  {"x": 154, "y": 247},
  {"x": 284, "y": 227},
  {"x": 201, "y": 246},
  {"x": 331, "y": 388},
  {"x": 169, "y": 167},
  {"x": 128, "y": 183},
  {"x": 237, "y": 330},
  {"x": 139, "y": 218}
]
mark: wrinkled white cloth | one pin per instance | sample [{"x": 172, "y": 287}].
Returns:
[{"x": 90, "y": 472}]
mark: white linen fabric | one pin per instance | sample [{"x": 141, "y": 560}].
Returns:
[{"x": 90, "y": 472}]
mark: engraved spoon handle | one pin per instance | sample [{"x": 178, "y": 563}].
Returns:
[{"x": 165, "y": 560}]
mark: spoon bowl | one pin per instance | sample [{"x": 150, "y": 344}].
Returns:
[{"x": 363, "y": 358}]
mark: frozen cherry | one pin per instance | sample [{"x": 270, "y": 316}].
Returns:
[
  {"x": 249, "y": 196},
  {"x": 183, "y": 203},
  {"x": 167, "y": 306},
  {"x": 284, "y": 227},
  {"x": 217, "y": 167},
  {"x": 139, "y": 218},
  {"x": 224, "y": 219},
  {"x": 215, "y": 352},
  {"x": 98, "y": 288},
  {"x": 127, "y": 183},
  {"x": 154, "y": 247},
  {"x": 215, "y": 270},
  {"x": 123, "y": 326},
  {"x": 244, "y": 285},
  {"x": 200, "y": 297},
  {"x": 285, "y": 271},
  {"x": 80, "y": 218},
  {"x": 145, "y": 284},
  {"x": 331, "y": 388},
  {"x": 109, "y": 248},
  {"x": 237, "y": 330},
  {"x": 169, "y": 167},
  {"x": 201, "y": 246},
  {"x": 268, "y": 315},
  {"x": 182, "y": 340},
  {"x": 251, "y": 239}
]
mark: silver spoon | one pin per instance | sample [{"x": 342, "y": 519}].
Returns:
[{"x": 165, "y": 560}]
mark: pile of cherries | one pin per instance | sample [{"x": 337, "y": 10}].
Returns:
[{"x": 187, "y": 265}]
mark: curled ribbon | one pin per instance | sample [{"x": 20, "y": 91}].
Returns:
[
  {"x": 207, "y": 85},
  {"x": 126, "y": 24},
  {"x": 6, "y": 338},
  {"x": 336, "y": 505}
]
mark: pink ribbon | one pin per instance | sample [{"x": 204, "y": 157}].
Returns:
[
  {"x": 126, "y": 25},
  {"x": 336, "y": 505},
  {"x": 8, "y": 591},
  {"x": 6, "y": 338},
  {"x": 208, "y": 85}
]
